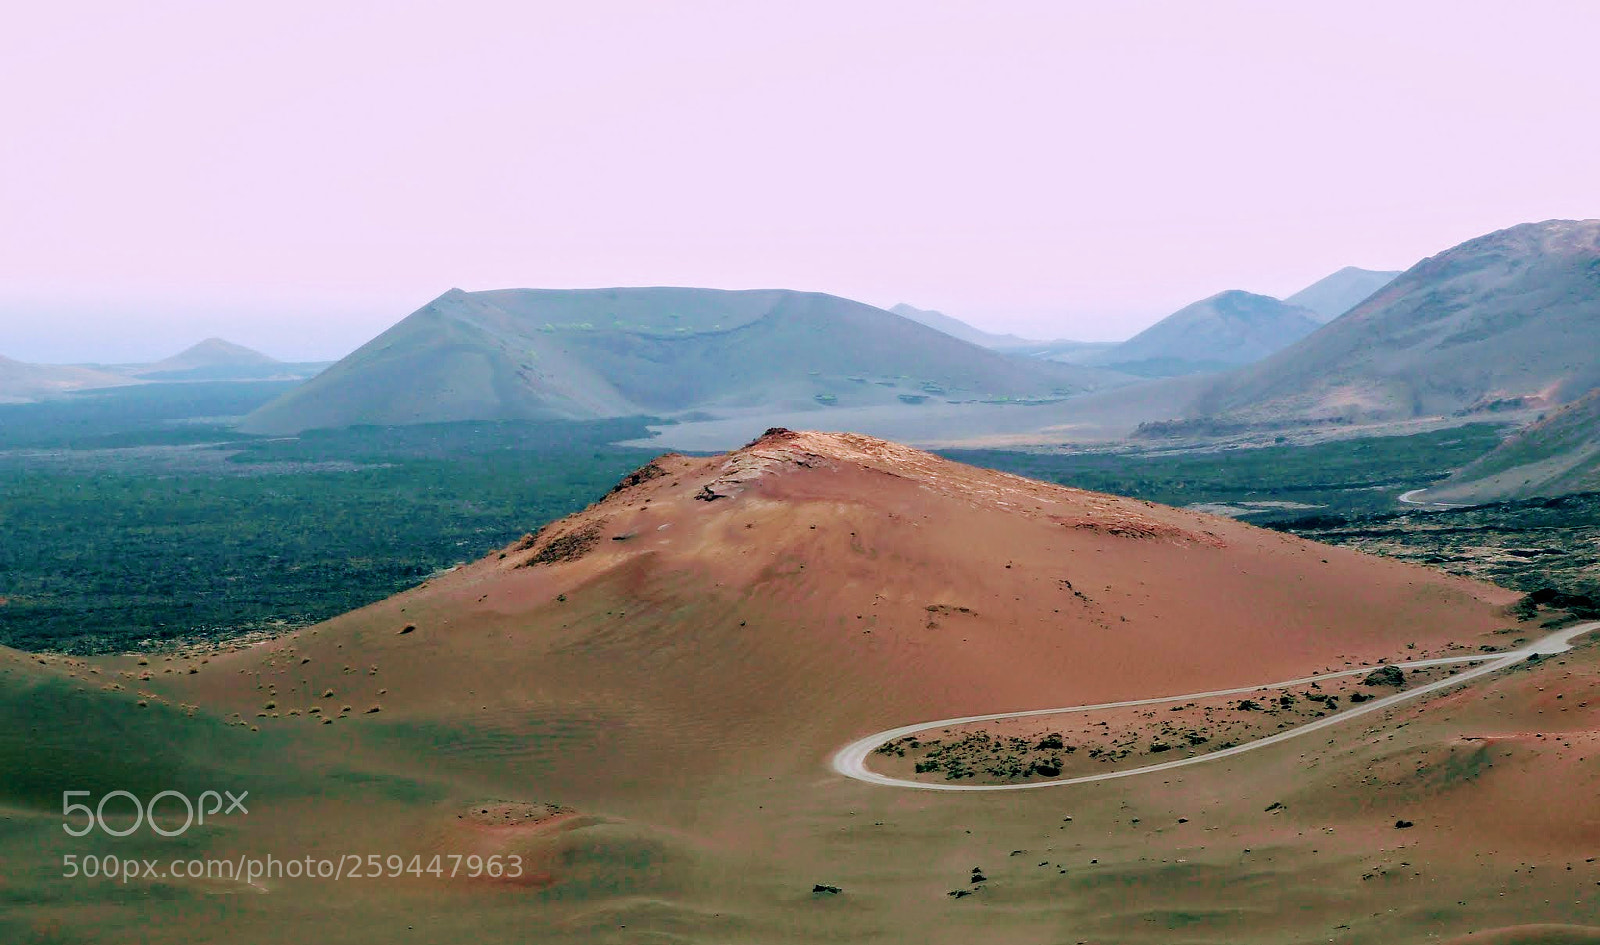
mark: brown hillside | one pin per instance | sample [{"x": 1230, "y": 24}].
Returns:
[{"x": 641, "y": 700}]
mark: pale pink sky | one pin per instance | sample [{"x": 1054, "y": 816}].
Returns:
[{"x": 297, "y": 176}]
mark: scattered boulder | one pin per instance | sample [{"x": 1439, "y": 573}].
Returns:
[
  {"x": 1385, "y": 676},
  {"x": 1403, "y": 824},
  {"x": 824, "y": 888},
  {"x": 568, "y": 546}
]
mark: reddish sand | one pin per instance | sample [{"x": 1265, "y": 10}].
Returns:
[
  {"x": 809, "y": 587},
  {"x": 675, "y": 665}
]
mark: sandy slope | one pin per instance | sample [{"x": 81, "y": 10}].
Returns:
[
  {"x": 1556, "y": 455},
  {"x": 674, "y": 666},
  {"x": 21, "y": 382}
]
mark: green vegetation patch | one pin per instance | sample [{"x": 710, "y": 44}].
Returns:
[
  {"x": 276, "y": 533},
  {"x": 1343, "y": 475}
]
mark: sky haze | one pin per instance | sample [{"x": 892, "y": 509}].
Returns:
[{"x": 296, "y": 176}]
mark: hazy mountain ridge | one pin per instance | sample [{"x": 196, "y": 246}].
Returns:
[
  {"x": 1060, "y": 349},
  {"x": 1338, "y": 293},
  {"x": 957, "y": 328},
  {"x": 580, "y": 354},
  {"x": 213, "y": 359},
  {"x": 21, "y": 381},
  {"x": 1510, "y": 319},
  {"x": 1228, "y": 329}
]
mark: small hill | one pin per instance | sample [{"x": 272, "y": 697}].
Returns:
[
  {"x": 639, "y": 704},
  {"x": 1334, "y": 295},
  {"x": 590, "y": 353},
  {"x": 213, "y": 353},
  {"x": 848, "y": 582},
  {"x": 1510, "y": 320},
  {"x": 956, "y": 328},
  {"x": 1228, "y": 329},
  {"x": 1557, "y": 455},
  {"x": 217, "y": 360}
]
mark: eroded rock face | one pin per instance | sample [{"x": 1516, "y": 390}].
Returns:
[{"x": 556, "y": 543}]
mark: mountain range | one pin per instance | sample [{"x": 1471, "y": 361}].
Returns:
[
  {"x": 1226, "y": 330},
  {"x": 1504, "y": 327},
  {"x": 1507, "y": 321}
]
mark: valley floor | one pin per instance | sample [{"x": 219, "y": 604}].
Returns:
[{"x": 1532, "y": 545}]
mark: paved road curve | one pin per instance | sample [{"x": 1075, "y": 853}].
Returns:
[
  {"x": 1410, "y": 498},
  {"x": 851, "y": 760}
]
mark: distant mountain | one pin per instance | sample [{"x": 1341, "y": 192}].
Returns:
[
  {"x": 1228, "y": 329},
  {"x": 20, "y": 382},
  {"x": 1067, "y": 352},
  {"x": 1339, "y": 293},
  {"x": 211, "y": 353},
  {"x": 1558, "y": 455},
  {"x": 217, "y": 360},
  {"x": 1505, "y": 321},
  {"x": 577, "y": 354},
  {"x": 956, "y": 328}
]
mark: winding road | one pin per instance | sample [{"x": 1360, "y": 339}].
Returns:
[
  {"x": 851, "y": 760},
  {"x": 1409, "y": 498}
]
